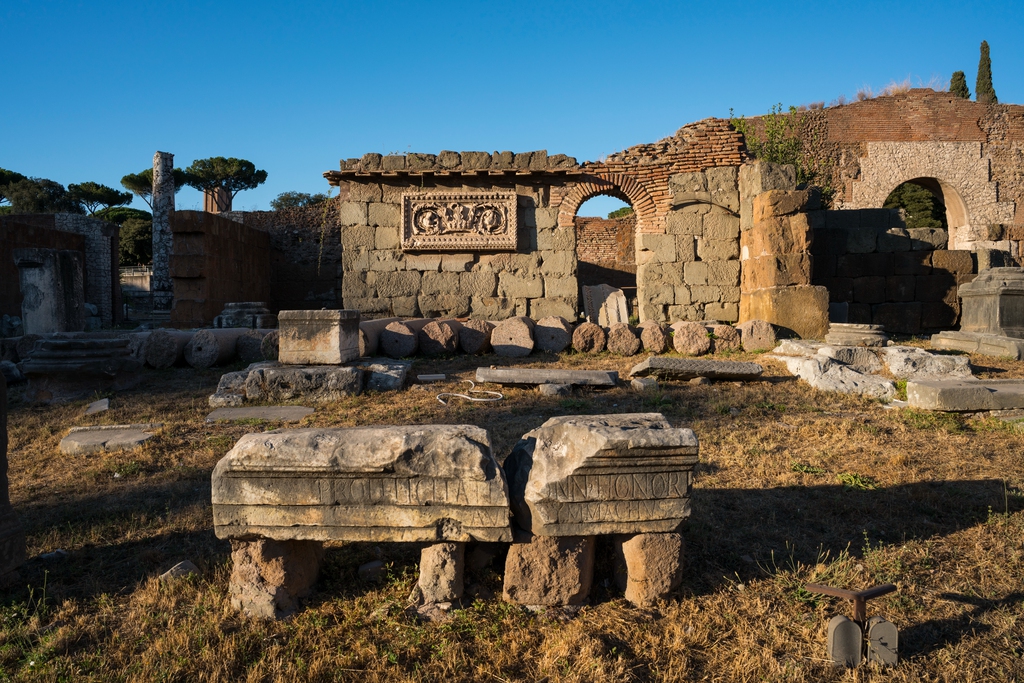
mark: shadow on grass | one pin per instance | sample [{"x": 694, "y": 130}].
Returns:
[{"x": 930, "y": 636}]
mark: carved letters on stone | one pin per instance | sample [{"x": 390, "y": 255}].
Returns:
[{"x": 459, "y": 221}]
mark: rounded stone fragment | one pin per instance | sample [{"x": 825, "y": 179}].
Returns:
[
  {"x": 166, "y": 348},
  {"x": 398, "y": 341},
  {"x": 655, "y": 337},
  {"x": 623, "y": 340},
  {"x": 268, "y": 347},
  {"x": 513, "y": 337},
  {"x": 553, "y": 334},
  {"x": 438, "y": 338},
  {"x": 589, "y": 338},
  {"x": 690, "y": 339},
  {"x": 212, "y": 347},
  {"x": 249, "y": 346},
  {"x": 725, "y": 338},
  {"x": 475, "y": 336},
  {"x": 757, "y": 335},
  {"x": 648, "y": 566},
  {"x": 442, "y": 566}
]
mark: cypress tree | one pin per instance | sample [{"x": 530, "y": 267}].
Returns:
[
  {"x": 958, "y": 85},
  {"x": 983, "y": 90}
]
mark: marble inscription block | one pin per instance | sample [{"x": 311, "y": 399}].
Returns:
[
  {"x": 459, "y": 221},
  {"x": 602, "y": 474},
  {"x": 409, "y": 483}
]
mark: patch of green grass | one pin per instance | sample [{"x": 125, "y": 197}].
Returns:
[
  {"x": 861, "y": 482},
  {"x": 768, "y": 405},
  {"x": 574, "y": 404},
  {"x": 804, "y": 468},
  {"x": 251, "y": 421},
  {"x": 926, "y": 419},
  {"x": 901, "y": 389},
  {"x": 722, "y": 408}
]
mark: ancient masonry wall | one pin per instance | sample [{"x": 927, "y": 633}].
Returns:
[
  {"x": 215, "y": 261},
  {"x": 102, "y": 287},
  {"x": 606, "y": 251},
  {"x": 15, "y": 234}
]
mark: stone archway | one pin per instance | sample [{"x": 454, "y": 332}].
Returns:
[{"x": 614, "y": 185}]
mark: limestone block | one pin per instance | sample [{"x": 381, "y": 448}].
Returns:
[
  {"x": 717, "y": 250},
  {"x": 269, "y": 578},
  {"x": 362, "y": 192},
  {"x": 721, "y": 226},
  {"x": 359, "y": 285},
  {"x": 547, "y": 218},
  {"x": 385, "y": 215},
  {"x": 690, "y": 338},
  {"x": 801, "y": 310},
  {"x": 436, "y": 483},
  {"x": 648, "y": 566},
  {"x": 513, "y": 337},
  {"x": 442, "y": 305},
  {"x": 778, "y": 270},
  {"x": 398, "y": 284},
  {"x": 688, "y": 182},
  {"x": 659, "y": 294},
  {"x": 457, "y": 263},
  {"x": 561, "y": 288},
  {"x": 757, "y": 335},
  {"x": 654, "y": 336},
  {"x": 386, "y": 237},
  {"x": 449, "y": 160},
  {"x": 496, "y": 308},
  {"x": 722, "y": 312},
  {"x": 684, "y": 222},
  {"x": 310, "y": 382},
  {"x": 559, "y": 239},
  {"x": 690, "y": 368},
  {"x": 602, "y": 474},
  {"x": 783, "y": 202},
  {"x": 729, "y": 294},
  {"x": 778, "y": 235},
  {"x": 422, "y": 262},
  {"x": 695, "y": 273},
  {"x": 723, "y": 273},
  {"x": 477, "y": 284},
  {"x": 386, "y": 375},
  {"x": 318, "y": 337},
  {"x": 558, "y": 263},
  {"x": 386, "y": 260},
  {"x": 442, "y": 566},
  {"x": 895, "y": 239},
  {"x": 686, "y": 250},
  {"x": 761, "y": 176},
  {"x": 535, "y": 376},
  {"x": 352, "y": 213},
  {"x": 475, "y": 336},
  {"x": 958, "y": 261},
  {"x": 662, "y": 247},
  {"x": 705, "y": 294},
  {"x": 519, "y": 286},
  {"x": 623, "y": 340},
  {"x": 442, "y": 283},
  {"x": 927, "y": 239},
  {"x": 393, "y": 162},
  {"x": 724, "y": 338},
  {"x": 589, "y": 337},
  {"x": 548, "y": 571},
  {"x": 552, "y": 334},
  {"x": 106, "y": 438}
]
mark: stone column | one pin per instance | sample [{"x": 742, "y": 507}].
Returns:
[
  {"x": 52, "y": 290},
  {"x": 12, "y": 536},
  {"x": 161, "y": 286}
]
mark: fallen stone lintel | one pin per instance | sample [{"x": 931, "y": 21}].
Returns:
[
  {"x": 688, "y": 368},
  {"x": 985, "y": 344},
  {"x": 593, "y": 378},
  {"x": 268, "y": 413},
  {"x": 966, "y": 395}
]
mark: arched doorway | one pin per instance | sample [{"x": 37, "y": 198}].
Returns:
[
  {"x": 930, "y": 203},
  {"x": 605, "y": 229}
]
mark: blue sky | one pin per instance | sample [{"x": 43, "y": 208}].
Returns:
[{"x": 92, "y": 89}]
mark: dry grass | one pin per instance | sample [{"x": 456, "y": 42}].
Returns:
[{"x": 794, "y": 486}]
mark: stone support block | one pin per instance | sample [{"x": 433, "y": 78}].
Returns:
[
  {"x": 269, "y": 578},
  {"x": 778, "y": 235},
  {"x": 550, "y": 571},
  {"x": 557, "y": 263},
  {"x": 801, "y": 309},
  {"x": 776, "y": 270},
  {"x": 457, "y": 263},
  {"x": 442, "y": 566},
  {"x": 648, "y": 566},
  {"x": 783, "y": 202},
  {"x": 723, "y": 273}
]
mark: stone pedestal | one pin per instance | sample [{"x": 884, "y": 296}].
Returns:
[
  {"x": 326, "y": 337},
  {"x": 269, "y": 578},
  {"x": 993, "y": 303},
  {"x": 801, "y": 309},
  {"x": 12, "y": 536},
  {"x": 52, "y": 290},
  {"x": 648, "y": 566}
]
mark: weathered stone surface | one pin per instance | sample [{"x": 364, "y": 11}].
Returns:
[
  {"x": 439, "y": 338},
  {"x": 179, "y": 571},
  {"x": 249, "y": 346},
  {"x": 966, "y": 395},
  {"x": 856, "y": 358},
  {"x": 245, "y": 314},
  {"x": 589, "y": 337},
  {"x": 85, "y": 440},
  {"x": 12, "y": 535},
  {"x": 985, "y": 344},
  {"x": 549, "y": 571},
  {"x": 513, "y": 337},
  {"x": 264, "y": 413},
  {"x": 386, "y": 375},
  {"x": 483, "y": 221},
  {"x": 475, "y": 337},
  {"x": 644, "y": 384},
  {"x": 324, "y": 337},
  {"x": 910, "y": 362},
  {"x": 826, "y": 375},
  {"x": 408, "y": 483},
  {"x": 212, "y": 347},
  {"x": 528, "y": 376},
  {"x": 369, "y": 335},
  {"x": 554, "y": 389},
  {"x": 401, "y": 339},
  {"x": 993, "y": 303},
  {"x": 167, "y": 348},
  {"x": 757, "y": 335},
  {"x": 68, "y": 367},
  {"x": 269, "y": 577},
  {"x": 553, "y": 334},
  {"x": 655, "y": 337},
  {"x": 690, "y": 338},
  {"x": 852, "y": 334},
  {"x": 605, "y": 305},
  {"x": 442, "y": 566},
  {"x": 602, "y": 474},
  {"x": 724, "y": 338},
  {"x": 648, "y": 566},
  {"x": 52, "y": 286},
  {"x": 99, "y": 406},
  {"x": 801, "y": 309},
  {"x": 315, "y": 382},
  {"x": 688, "y": 368},
  {"x": 623, "y": 340}
]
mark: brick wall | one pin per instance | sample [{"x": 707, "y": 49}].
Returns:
[
  {"x": 606, "y": 251},
  {"x": 214, "y": 261},
  {"x": 15, "y": 234}
]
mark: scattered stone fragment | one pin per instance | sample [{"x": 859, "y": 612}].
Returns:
[
  {"x": 226, "y": 400},
  {"x": 605, "y": 305},
  {"x": 623, "y": 340},
  {"x": 699, "y": 381},
  {"x": 386, "y": 375},
  {"x": 649, "y": 566},
  {"x": 757, "y": 335},
  {"x": 966, "y": 395},
  {"x": 589, "y": 337},
  {"x": 688, "y": 368},
  {"x": 910, "y": 362},
  {"x": 825, "y": 374},
  {"x": 513, "y": 376},
  {"x": 797, "y": 347},
  {"x": 324, "y": 337},
  {"x": 180, "y": 570},
  {"x": 644, "y": 384},
  {"x": 553, "y": 334},
  {"x": 11, "y": 372},
  {"x": 513, "y": 337},
  {"x": 690, "y": 338},
  {"x": 985, "y": 344},
  {"x": 475, "y": 337},
  {"x": 249, "y": 346},
  {"x": 270, "y": 577},
  {"x": 166, "y": 348},
  {"x": 554, "y": 389},
  {"x": 550, "y": 570},
  {"x": 850, "y": 334},
  {"x": 369, "y": 335},
  {"x": 106, "y": 438},
  {"x": 212, "y": 347},
  {"x": 269, "y": 345},
  {"x": 655, "y": 337},
  {"x": 371, "y": 571},
  {"x": 724, "y": 338},
  {"x": 859, "y": 358},
  {"x": 439, "y": 338},
  {"x": 442, "y": 566},
  {"x": 401, "y": 339},
  {"x": 98, "y": 406},
  {"x": 266, "y": 413},
  {"x": 317, "y": 383}
]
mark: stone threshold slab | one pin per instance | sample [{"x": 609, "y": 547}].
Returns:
[
  {"x": 966, "y": 395},
  {"x": 267, "y": 413},
  {"x": 536, "y": 376},
  {"x": 985, "y": 344}
]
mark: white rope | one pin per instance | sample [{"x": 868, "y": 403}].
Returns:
[{"x": 494, "y": 395}]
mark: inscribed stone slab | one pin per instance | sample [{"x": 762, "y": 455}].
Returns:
[
  {"x": 605, "y": 305},
  {"x": 318, "y": 337}
]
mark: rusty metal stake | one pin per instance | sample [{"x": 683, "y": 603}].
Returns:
[{"x": 859, "y": 598}]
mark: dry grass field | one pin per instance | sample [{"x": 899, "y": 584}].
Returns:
[{"x": 794, "y": 486}]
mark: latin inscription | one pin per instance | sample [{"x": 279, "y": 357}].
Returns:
[
  {"x": 620, "y": 487},
  {"x": 611, "y": 511},
  {"x": 418, "y": 491}
]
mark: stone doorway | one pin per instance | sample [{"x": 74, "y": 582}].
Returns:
[{"x": 605, "y": 245}]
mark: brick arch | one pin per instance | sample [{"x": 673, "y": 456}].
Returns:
[{"x": 615, "y": 185}]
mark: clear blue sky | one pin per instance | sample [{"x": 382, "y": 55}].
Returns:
[{"x": 92, "y": 89}]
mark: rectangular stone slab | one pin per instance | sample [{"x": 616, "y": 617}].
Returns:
[
  {"x": 407, "y": 483},
  {"x": 532, "y": 376},
  {"x": 966, "y": 395},
  {"x": 689, "y": 368},
  {"x": 268, "y": 413},
  {"x": 985, "y": 344},
  {"x": 318, "y": 337}
]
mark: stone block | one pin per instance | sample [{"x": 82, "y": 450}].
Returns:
[
  {"x": 662, "y": 247},
  {"x": 435, "y": 483},
  {"x": 398, "y": 284},
  {"x": 757, "y": 335},
  {"x": 322, "y": 383},
  {"x": 352, "y": 213},
  {"x": 965, "y": 395},
  {"x": 839, "y": 288},
  {"x": 520, "y": 286},
  {"x": 899, "y": 288},
  {"x": 443, "y": 305},
  {"x": 801, "y": 310},
  {"x": 935, "y": 287},
  {"x": 552, "y": 306},
  {"x": 993, "y": 303},
  {"x": 559, "y": 263},
  {"x": 605, "y": 305},
  {"x": 861, "y": 240},
  {"x": 561, "y": 288},
  {"x": 648, "y": 566},
  {"x": 869, "y": 290},
  {"x": 659, "y": 294},
  {"x": 726, "y": 273},
  {"x": 550, "y": 571},
  {"x": 539, "y": 376},
  {"x": 705, "y": 294},
  {"x": 457, "y": 263},
  {"x": 718, "y": 250},
  {"x": 721, "y": 226},
  {"x": 106, "y": 438},
  {"x": 393, "y": 162},
  {"x": 928, "y": 239},
  {"x": 265, "y": 413},
  {"x": 865, "y": 265},
  {"x": 937, "y": 315},
  {"x": 546, "y": 218},
  {"x": 356, "y": 236},
  {"x": 955, "y": 261},
  {"x": 783, "y": 202},
  {"x": 727, "y": 312},
  {"x": 901, "y": 318},
  {"x": 912, "y": 263},
  {"x": 684, "y": 222},
  {"x": 449, "y": 160},
  {"x": 386, "y": 237},
  {"x": 779, "y": 235},
  {"x": 893, "y": 240},
  {"x": 386, "y": 260},
  {"x": 477, "y": 284},
  {"x": 270, "y": 577},
  {"x": 361, "y": 192},
  {"x": 776, "y": 270},
  {"x": 566, "y": 477},
  {"x": 911, "y": 362},
  {"x": 442, "y": 566},
  {"x": 318, "y": 337},
  {"x": 384, "y": 215},
  {"x": 695, "y": 273},
  {"x": 441, "y": 283},
  {"x": 53, "y": 287},
  {"x": 496, "y": 308},
  {"x": 559, "y": 239}
]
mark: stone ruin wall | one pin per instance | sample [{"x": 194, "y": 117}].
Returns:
[
  {"x": 606, "y": 251},
  {"x": 16, "y": 234}
]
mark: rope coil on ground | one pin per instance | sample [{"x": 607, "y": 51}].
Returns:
[{"x": 494, "y": 395}]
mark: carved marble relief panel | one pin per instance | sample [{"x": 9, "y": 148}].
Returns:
[{"x": 459, "y": 221}]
